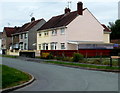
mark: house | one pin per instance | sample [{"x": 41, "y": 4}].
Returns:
[
  {"x": 26, "y": 36},
  {"x": 7, "y": 38},
  {"x": 72, "y": 31},
  {"x": 0, "y": 42}
]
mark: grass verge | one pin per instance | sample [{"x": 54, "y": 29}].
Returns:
[
  {"x": 83, "y": 65},
  {"x": 13, "y": 77},
  {"x": 10, "y": 56}
]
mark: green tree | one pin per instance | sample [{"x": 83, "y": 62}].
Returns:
[{"x": 115, "y": 28}]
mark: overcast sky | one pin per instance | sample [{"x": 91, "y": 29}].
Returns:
[{"x": 17, "y": 12}]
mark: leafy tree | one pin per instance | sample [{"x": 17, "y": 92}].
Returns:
[{"x": 115, "y": 28}]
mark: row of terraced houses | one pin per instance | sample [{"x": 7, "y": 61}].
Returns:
[{"x": 72, "y": 30}]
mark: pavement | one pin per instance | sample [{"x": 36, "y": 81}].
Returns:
[{"x": 59, "y": 78}]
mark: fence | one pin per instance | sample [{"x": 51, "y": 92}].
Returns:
[
  {"x": 85, "y": 52},
  {"x": 91, "y": 55}
]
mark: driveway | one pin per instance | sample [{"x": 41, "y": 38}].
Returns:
[{"x": 59, "y": 78}]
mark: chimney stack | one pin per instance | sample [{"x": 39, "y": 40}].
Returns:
[
  {"x": 67, "y": 10},
  {"x": 80, "y": 8}
]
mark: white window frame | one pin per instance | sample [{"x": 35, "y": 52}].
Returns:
[
  {"x": 21, "y": 36},
  {"x": 39, "y": 46},
  {"x": 25, "y": 35},
  {"x": 53, "y": 45},
  {"x": 46, "y": 33},
  {"x": 62, "y": 31},
  {"x": 21, "y": 46},
  {"x": 45, "y": 46},
  {"x": 40, "y": 34},
  {"x": 54, "y": 32},
  {"x": 25, "y": 46},
  {"x": 62, "y": 44}
]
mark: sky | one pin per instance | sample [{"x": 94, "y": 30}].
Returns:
[{"x": 17, "y": 12}]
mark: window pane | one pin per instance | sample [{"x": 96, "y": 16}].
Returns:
[
  {"x": 52, "y": 46},
  {"x": 39, "y": 46},
  {"x": 62, "y": 45},
  {"x": 62, "y": 31},
  {"x": 40, "y": 34},
  {"x": 43, "y": 46},
  {"x": 46, "y": 46}
]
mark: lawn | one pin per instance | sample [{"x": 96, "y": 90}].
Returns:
[
  {"x": 10, "y": 56},
  {"x": 12, "y": 77},
  {"x": 83, "y": 65}
]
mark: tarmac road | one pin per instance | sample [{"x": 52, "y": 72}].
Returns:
[{"x": 59, "y": 78}]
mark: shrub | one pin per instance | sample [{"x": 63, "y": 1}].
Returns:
[
  {"x": 50, "y": 56},
  {"x": 59, "y": 57},
  {"x": 96, "y": 61},
  {"x": 67, "y": 59},
  {"x": 77, "y": 57},
  {"x": 44, "y": 55}
]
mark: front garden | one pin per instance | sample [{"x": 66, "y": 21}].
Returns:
[{"x": 78, "y": 59}]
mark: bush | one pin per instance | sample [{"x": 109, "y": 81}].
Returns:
[
  {"x": 96, "y": 61},
  {"x": 44, "y": 55},
  {"x": 50, "y": 56},
  {"x": 67, "y": 59},
  {"x": 77, "y": 57},
  {"x": 59, "y": 57}
]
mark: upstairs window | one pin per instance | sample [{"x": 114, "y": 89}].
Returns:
[
  {"x": 54, "y": 32},
  {"x": 40, "y": 34},
  {"x": 21, "y": 36},
  {"x": 25, "y": 35},
  {"x": 46, "y": 33},
  {"x": 62, "y": 31}
]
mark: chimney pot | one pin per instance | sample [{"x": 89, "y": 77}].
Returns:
[
  {"x": 32, "y": 19},
  {"x": 67, "y": 10}
]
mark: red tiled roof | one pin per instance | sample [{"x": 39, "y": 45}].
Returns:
[
  {"x": 9, "y": 31},
  {"x": 106, "y": 29},
  {"x": 60, "y": 20},
  {"x": 28, "y": 26}
]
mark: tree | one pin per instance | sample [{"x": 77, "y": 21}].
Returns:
[{"x": 115, "y": 28}]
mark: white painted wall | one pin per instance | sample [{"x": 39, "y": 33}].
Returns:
[
  {"x": 85, "y": 28},
  {"x": 106, "y": 38},
  {"x": 59, "y": 38}
]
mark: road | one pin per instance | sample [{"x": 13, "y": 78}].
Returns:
[{"x": 59, "y": 78}]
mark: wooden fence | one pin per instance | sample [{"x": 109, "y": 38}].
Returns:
[{"x": 85, "y": 52}]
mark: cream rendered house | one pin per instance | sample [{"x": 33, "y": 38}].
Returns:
[{"x": 71, "y": 31}]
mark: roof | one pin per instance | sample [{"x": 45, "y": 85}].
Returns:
[
  {"x": 106, "y": 29},
  {"x": 9, "y": 31},
  {"x": 60, "y": 20},
  {"x": 28, "y": 26}
]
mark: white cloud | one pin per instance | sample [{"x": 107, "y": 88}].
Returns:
[
  {"x": 17, "y": 12},
  {"x": 59, "y": 0}
]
